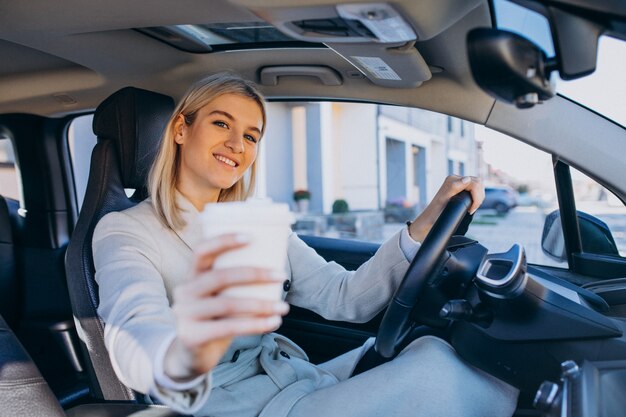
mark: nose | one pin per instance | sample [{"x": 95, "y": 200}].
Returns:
[{"x": 235, "y": 142}]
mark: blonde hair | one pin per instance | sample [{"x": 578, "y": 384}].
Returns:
[{"x": 165, "y": 169}]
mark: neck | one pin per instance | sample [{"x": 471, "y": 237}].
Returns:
[{"x": 199, "y": 200}]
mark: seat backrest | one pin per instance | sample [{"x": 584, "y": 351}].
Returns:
[
  {"x": 8, "y": 279},
  {"x": 23, "y": 391},
  {"x": 129, "y": 125}
]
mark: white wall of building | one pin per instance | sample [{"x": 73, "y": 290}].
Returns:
[
  {"x": 329, "y": 156},
  {"x": 431, "y": 144},
  {"x": 338, "y": 151},
  {"x": 354, "y": 137},
  {"x": 275, "y": 173},
  {"x": 298, "y": 135},
  {"x": 437, "y": 168}
]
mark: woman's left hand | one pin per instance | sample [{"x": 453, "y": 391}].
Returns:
[{"x": 452, "y": 185}]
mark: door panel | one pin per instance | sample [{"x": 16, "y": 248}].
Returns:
[{"x": 320, "y": 338}]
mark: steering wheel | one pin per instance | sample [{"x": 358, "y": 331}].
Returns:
[{"x": 397, "y": 323}]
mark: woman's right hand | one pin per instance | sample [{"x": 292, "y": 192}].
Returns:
[{"x": 207, "y": 320}]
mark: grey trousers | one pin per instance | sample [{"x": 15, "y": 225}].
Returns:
[{"x": 427, "y": 379}]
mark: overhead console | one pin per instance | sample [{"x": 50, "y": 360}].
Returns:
[{"x": 376, "y": 38}]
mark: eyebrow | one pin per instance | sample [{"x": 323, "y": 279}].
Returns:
[{"x": 230, "y": 117}]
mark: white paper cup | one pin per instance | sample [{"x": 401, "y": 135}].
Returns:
[{"x": 267, "y": 225}]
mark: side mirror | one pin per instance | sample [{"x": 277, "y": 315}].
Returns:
[
  {"x": 509, "y": 67},
  {"x": 595, "y": 235}
]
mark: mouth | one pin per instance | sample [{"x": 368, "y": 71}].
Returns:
[{"x": 225, "y": 160}]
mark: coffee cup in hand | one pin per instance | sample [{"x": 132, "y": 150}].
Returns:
[{"x": 266, "y": 225}]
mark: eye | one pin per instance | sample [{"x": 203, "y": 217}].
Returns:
[
  {"x": 220, "y": 124},
  {"x": 250, "y": 138}
]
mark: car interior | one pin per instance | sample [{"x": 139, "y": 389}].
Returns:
[{"x": 557, "y": 334}]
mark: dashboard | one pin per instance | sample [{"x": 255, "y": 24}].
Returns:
[{"x": 525, "y": 323}]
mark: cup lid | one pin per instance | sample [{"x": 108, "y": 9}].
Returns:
[{"x": 250, "y": 211}]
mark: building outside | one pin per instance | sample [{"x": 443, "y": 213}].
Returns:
[{"x": 372, "y": 156}]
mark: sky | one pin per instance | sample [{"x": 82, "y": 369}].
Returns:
[{"x": 603, "y": 91}]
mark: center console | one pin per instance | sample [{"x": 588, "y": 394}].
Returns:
[
  {"x": 519, "y": 323},
  {"x": 591, "y": 389}
]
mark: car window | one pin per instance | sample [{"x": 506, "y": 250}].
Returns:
[
  {"x": 603, "y": 91},
  {"x": 526, "y": 22},
  {"x": 10, "y": 183},
  {"x": 520, "y": 193},
  {"x": 81, "y": 141},
  {"x": 360, "y": 171},
  {"x": 608, "y": 213}
]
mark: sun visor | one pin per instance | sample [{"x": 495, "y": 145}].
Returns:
[
  {"x": 374, "y": 37},
  {"x": 399, "y": 66}
]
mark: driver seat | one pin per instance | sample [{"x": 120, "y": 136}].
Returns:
[{"x": 128, "y": 125}]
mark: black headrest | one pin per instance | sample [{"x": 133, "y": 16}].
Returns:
[{"x": 134, "y": 119}]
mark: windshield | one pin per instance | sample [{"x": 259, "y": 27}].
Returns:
[{"x": 604, "y": 91}]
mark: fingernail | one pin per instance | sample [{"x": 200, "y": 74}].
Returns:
[
  {"x": 281, "y": 308},
  {"x": 466, "y": 180},
  {"x": 273, "y": 321}
]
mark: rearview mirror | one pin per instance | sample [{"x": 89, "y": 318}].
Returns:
[
  {"x": 509, "y": 67},
  {"x": 595, "y": 235}
]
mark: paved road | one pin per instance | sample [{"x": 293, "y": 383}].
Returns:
[{"x": 524, "y": 226}]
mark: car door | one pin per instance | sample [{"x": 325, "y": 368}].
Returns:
[
  {"x": 358, "y": 164},
  {"x": 501, "y": 161}
]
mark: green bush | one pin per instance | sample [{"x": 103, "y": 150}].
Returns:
[
  {"x": 340, "y": 206},
  {"x": 301, "y": 195}
]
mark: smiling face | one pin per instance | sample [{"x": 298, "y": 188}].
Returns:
[{"x": 218, "y": 147}]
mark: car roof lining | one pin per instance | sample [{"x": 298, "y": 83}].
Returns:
[{"x": 105, "y": 54}]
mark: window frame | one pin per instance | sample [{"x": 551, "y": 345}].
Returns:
[{"x": 580, "y": 262}]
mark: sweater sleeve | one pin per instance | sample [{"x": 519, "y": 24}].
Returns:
[
  {"x": 139, "y": 323},
  {"x": 337, "y": 294}
]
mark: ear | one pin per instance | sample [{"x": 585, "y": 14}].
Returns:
[{"x": 179, "y": 129}]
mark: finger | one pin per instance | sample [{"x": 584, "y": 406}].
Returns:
[
  {"x": 214, "y": 281},
  {"x": 220, "y": 307},
  {"x": 473, "y": 185},
  {"x": 456, "y": 184},
  {"x": 208, "y": 251},
  {"x": 198, "y": 333},
  {"x": 477, "y": 191}
]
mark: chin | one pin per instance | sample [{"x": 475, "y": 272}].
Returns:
[{"x": 224, "y": 185}]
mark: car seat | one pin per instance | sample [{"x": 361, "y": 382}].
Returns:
[
  {"x": 128, "y": 125},
  {"x": 8, "y": 278}
]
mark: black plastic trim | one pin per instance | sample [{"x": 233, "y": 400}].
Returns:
[
  {"x": 593, "y": 265},
  {"x": 567, "y": 206},
  {"x": 600, "y": 266}
]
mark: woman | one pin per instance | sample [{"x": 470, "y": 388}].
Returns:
[{"x": 171, "y": 333}]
